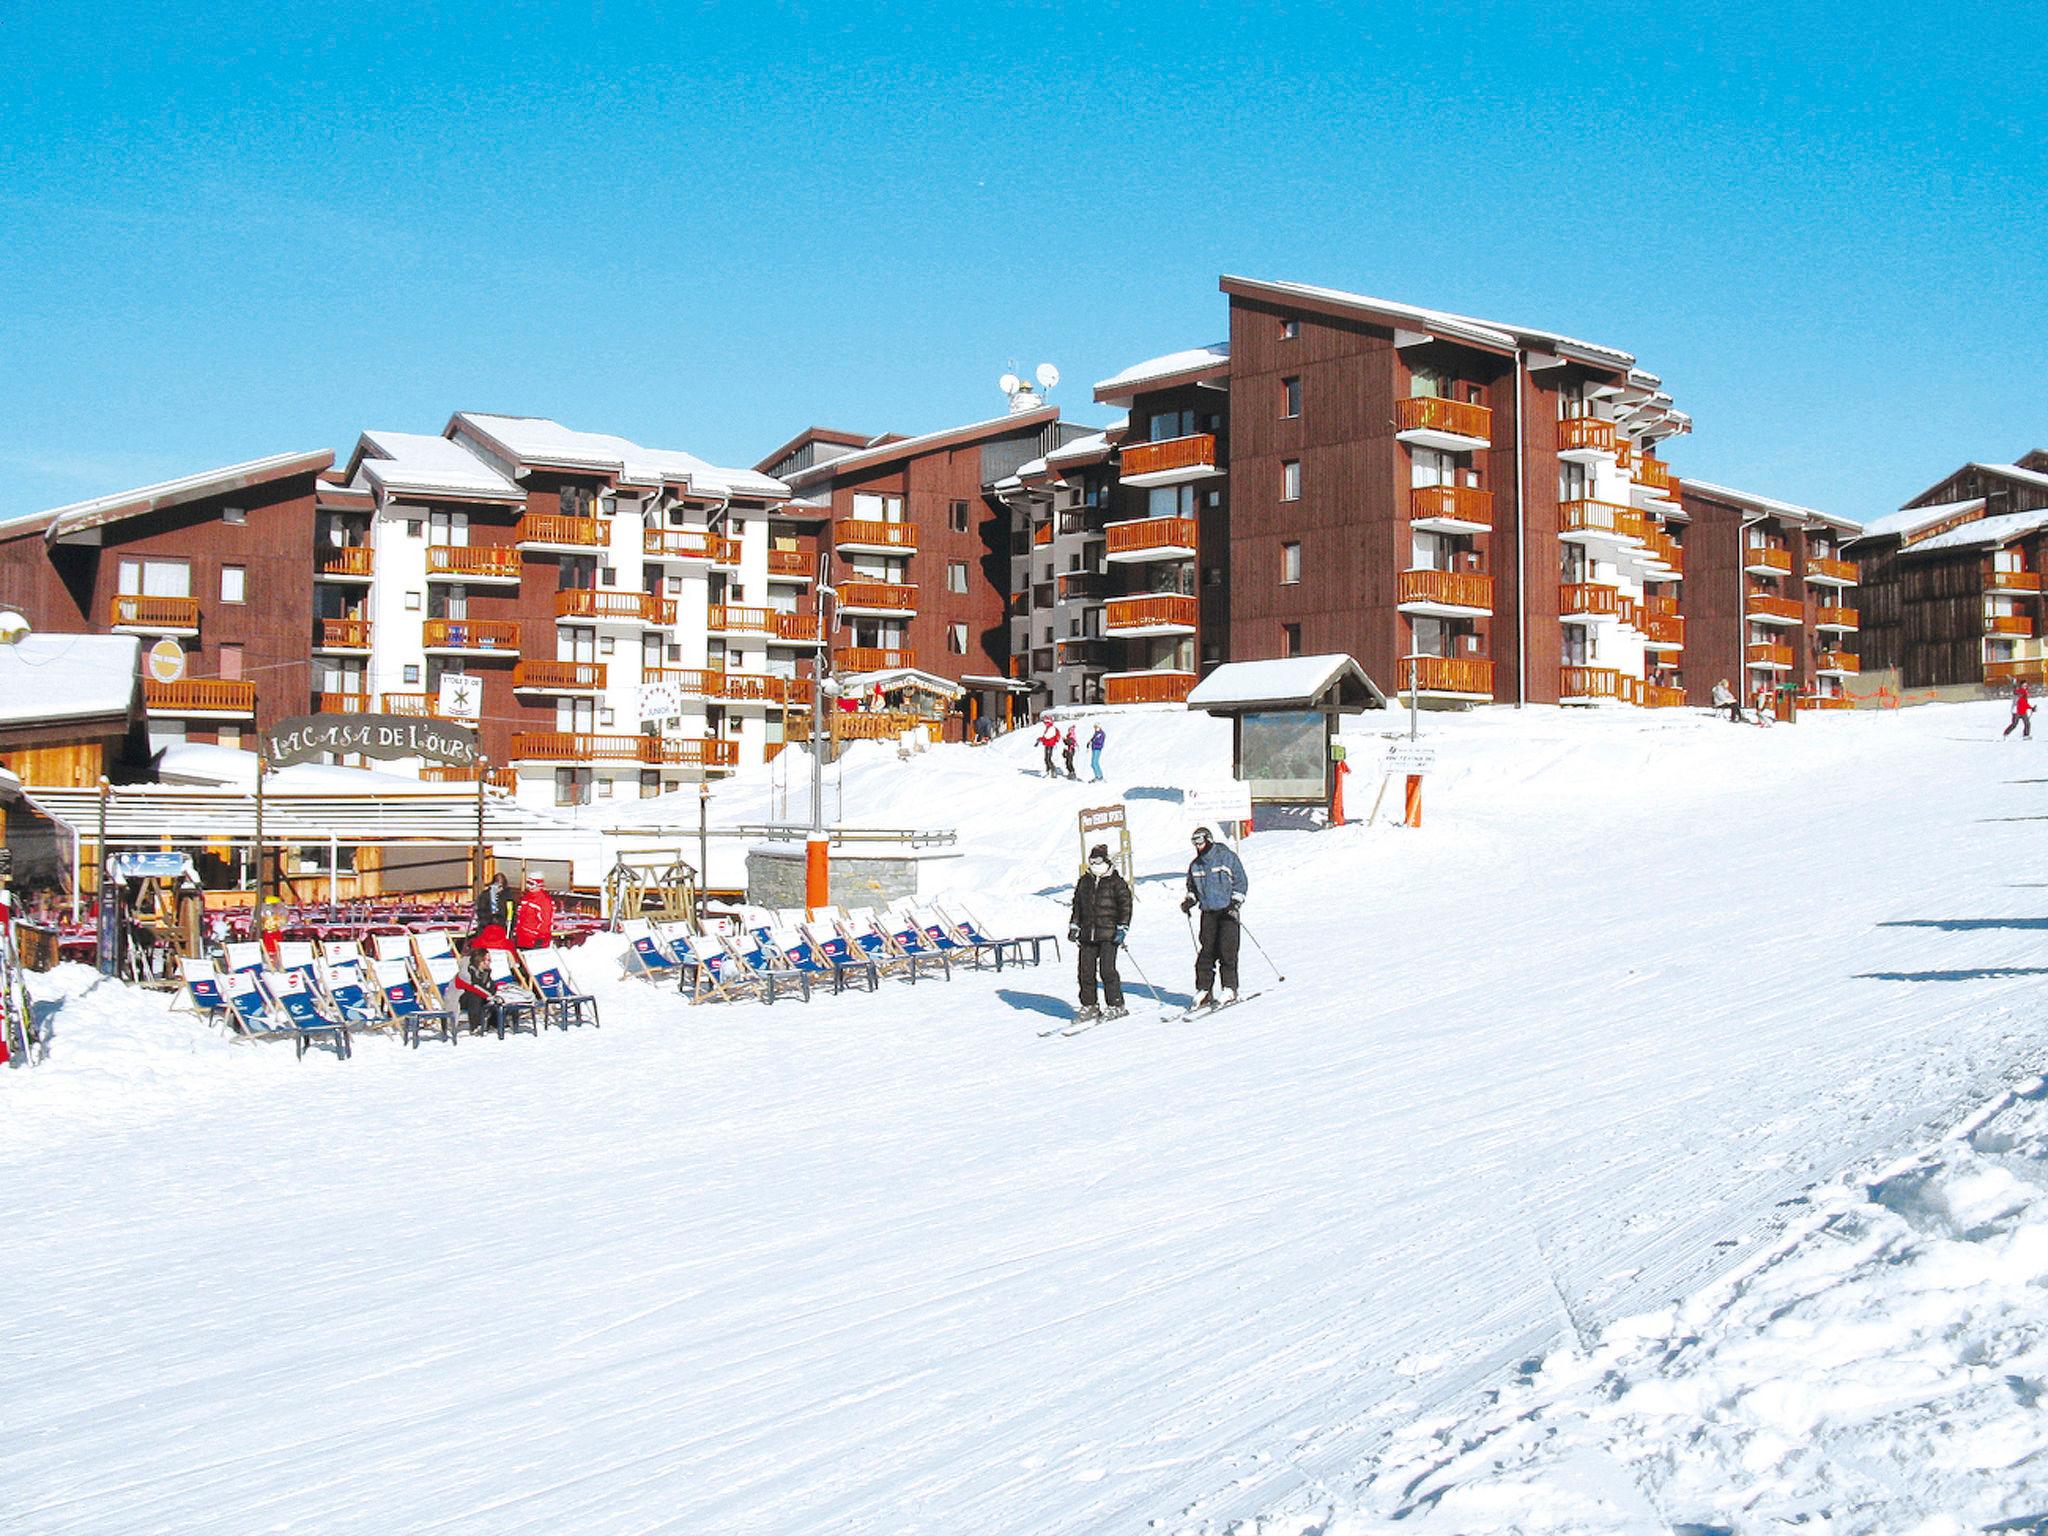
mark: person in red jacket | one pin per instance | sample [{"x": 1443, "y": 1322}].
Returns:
[
  {"x": 534, "y": 927},
  {"x": 1049, "y": 738},
  {"x": 2022, "y": 713}
]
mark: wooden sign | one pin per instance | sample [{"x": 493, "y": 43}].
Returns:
[{"x": 304, "y": 738}]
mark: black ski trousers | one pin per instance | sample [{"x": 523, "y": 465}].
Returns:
[
  {"x": 1218, "y": 950},
  {"x": 2024, "y": 722},
  {"x": 1103, "y": 957}
]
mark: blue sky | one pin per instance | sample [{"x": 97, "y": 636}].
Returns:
[{"x": 238, "y": 232}]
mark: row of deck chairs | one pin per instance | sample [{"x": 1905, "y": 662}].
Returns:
[
  {"x": 780, "y": 954},
  {"x": 326, "y": 992}
]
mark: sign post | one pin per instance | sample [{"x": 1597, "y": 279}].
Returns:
[{"x": 1414, "y": 761}]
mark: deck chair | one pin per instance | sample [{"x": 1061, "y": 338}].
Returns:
[
  {"x": 760, "y": 961},
  {"x": 305, "y": 1020},
  {"x": 648, "y": 954},
  {"x": 297, "y": 955},
  {"x": 965, "y": 922},
  {"x": 950, "y": 941},
  {"x": 909, "y": 938},
  {"x": 801, "y": 955},
  {"x": 559, "y": 998},
  {"x": 244, "y": 956},
  {"x": 341, "y": 951},
  {"x": 864, "y": 931},
  {"x": 710, "y": 973},
  {"x": 343, "y": 985},
  {"x": 206, "y": 988},
  {"x": 513, "y": 1003},
  {"x": 402, "y": 996}
]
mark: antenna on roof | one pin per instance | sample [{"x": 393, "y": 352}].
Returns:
[{"x": 1022, "y": 396}]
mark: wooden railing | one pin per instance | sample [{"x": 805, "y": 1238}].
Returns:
[
  {"x": 691, "y": 544},
  {"x": 760, "y": 688},
  {"x": 423, "y": 706},
  {"x": 1662, "y": 547},
  {"x": 746, "y": 620},
  {"x": 2013, "y": 581},
  {"x": 1457, "y": 589},
  {"x": 875, "y": 725},
  {"x": 1588, "y": 597},
  {"x": 1464, "y": 503},
  {"x": 1769, "y": 653},
  {"x": 1652, "y": 474},
  {"x": 344, "y": 703},
  {"x": 1834, "y": 616},
  {"x": 1196, "y": 451},
  {"x": 1660, "y": 607},
  {"x": 354, "y": 560},
  {"x": 2008, "y": 624},
  {"x": 1450, "y": 674},
  {"x": 345, "y": 634},
  {"x": 1838, "y": 661},
  {"x": 613, "y": 603},
  {"x": 506, "y": 779},
  {"x": 697, "y": 682},
  {"x": 1830, "y": 701},
  {"x": 1663, "y": 630},
  {"x": 1143, "y": 612},
  {"x": 1662, "y": 696},
  {"x": 873, "y": 658},
  {"x": 225, "y": 695},
  {"x": 1147, "y": 688},
  {"x": 1774, "y": 557},
  {"x": 867, "y": 530},
  {"x": 1850, "y": 571},
  {"x": 789, "y": 562},
  {"x": 1585, "y": 432},
  {"x": 558, "y": 674},
  {"x": 154, "y": 612},
  {"x": 1590, "y": 683},
  {"x": 580, "y": 747},
  {"x": 2032, "y": 669},
  {"x": 1151, "y": 533},
  {"x": 797, "y": 628},
  {"x": 470, "y": 634},
  {"x": 1588, "y": 516},
  {"x": 1775, "y": 607},
  {"x": 1428, "y": 413},
  {"x": 554, "y": 528},
  {"x": 877, "y": 594},
  {"x": 489, "y": 561}
]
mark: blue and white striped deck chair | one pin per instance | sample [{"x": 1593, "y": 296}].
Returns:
[
  {"x": 648, "y": 954},
  {"x": 401, "y": 991},
  {"x": 345, "y": 989},
  {"x": 297, "y": 955},
  {"x": 763, "y": 962},
  {"x": 943, "y": 937},
  {"x": 244, "y": 956},
  {"x": 249, "y": 1005},
  {"x": 558, "y": 995},
  {"x": 965, "y": 922},
  {"x": 709, "y": 972},
  {"x": 305, "y": 1020},
  {"x": 206, "y": 987},
  {"x": 341, "y": 951},
  {"x": 802, "y": 955}
]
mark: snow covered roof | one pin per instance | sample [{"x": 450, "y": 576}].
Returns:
[
  {"x": 1908, "y": 520},
  {"x": 401, "y": 463},
  {"x": 1297, "y": 682},
  {"x": 1174, "y": 368},
  {"x": 69, "y": 677},
  {"x": 2017, "y": 472},
  {"x": 536, "y": 440},
  {"x": 903, "y": 677},
  {"x": 59, "y": 522},
  {"x": 204, "y": 763},
  {"x": 1082, "y": 450},
  {"x": 1791, "y": 511},
  {"x": 910, "y": 447},
  {"x": 1982, "y": 532}
]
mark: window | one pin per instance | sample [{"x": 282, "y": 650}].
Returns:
[
  {"x": 234, "y": 514},
  {"x": 650, "y": 783},
  {"x": 572, "y": 786},
  {"x": 1290, "y": 639},
  {"x": 1290, "y": 396},
  {"x": 155, "y": 578},
  {"x": 233, "y": 583},
  {"x": 412, "y": 602},
  {"x": 1290, "y": 479},
  {"x": 957, "y": 514},
  {"x": 413, "y": 527},
  {"x": 576, "y": 501},
  {"x": 231, "y": 662},
  {"x": 1170, "y": 424},
  {"x": 956, "y": 639},
  {"x": 1289, "y": 329},
  {"x": 875, "y": 508},
  {"x": 1212, "y": 575},
  {"x": 956, "y": 575},
  {"x": 1290, "y": 564},
  {"x": 1170, "y": 501}
]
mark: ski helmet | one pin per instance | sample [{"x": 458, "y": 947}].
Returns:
[{"x": 1203, "y": 835}]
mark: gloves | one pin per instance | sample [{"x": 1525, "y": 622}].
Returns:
[
  {"x": 1236, "y": 902},
  {"x": 1121, "y": 933},
  {"x": 1188, "y": 905},
  {"x": 1073, "y": 933}
]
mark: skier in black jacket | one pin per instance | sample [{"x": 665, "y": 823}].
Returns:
[{"x": 1100, "y": 920}]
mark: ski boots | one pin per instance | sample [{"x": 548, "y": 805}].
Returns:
[{"x": 1087, "y": 1015}]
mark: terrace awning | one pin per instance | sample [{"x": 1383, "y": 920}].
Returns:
[{"x": 153, "y": 815}]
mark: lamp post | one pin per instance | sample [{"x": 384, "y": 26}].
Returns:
[{"x": 824, "y": 690}]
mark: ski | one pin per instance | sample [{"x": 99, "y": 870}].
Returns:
[{"x": 1203, "y": 1013}]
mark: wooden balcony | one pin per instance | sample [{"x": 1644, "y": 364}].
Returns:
[
  {"x": 1149, "y": 538},
  {"x": 1588, "y": 600},
  {"x": 1579, "y": 436},
  {"x": 558, "y": 676},
  {"x": 470, "y": 635},
  {"x": 2031, "y": 669},
  {"x": 2012, "y": 624},
  {"x": 595, "y": 747},
  {"x": 1146, "y": 687},
  {"x": 1653, "y": 474},
  {"x": 472, "y": 562},
  {"x": 1770, "y": 656},
  {"x": 419, "y": 706},
  {"x": 789, "y": 564},
  {"x": 1465, "y": 676},
  {"x": 758, "y": 688},
  {"x": 1847, "y": 573},
  {"x": 1767, "y": 608},
  {"x": 1843, "y": 662},
  {"x": 1590, "y": 684},
  {"x": 1162, "y": 613},
  {"x": 1662, "y": 696},
  {"x": 341, "y": 634},
  {"x": 350, "y": 564},
  {"x": 1083, "y": 586},
  {"x": 1832, "y": 616},
  {"x": 550, "y": 530},
  {"x": 871, "y": 536},
  {"x": 1663, "y": 632},
  {"x": 667, "y": 752},
  {"x": 199, "y": 696},
  {"x": 691, "y": 544},
  {"x": 1603, "y": 520},
  {"x": 1454, "y": 425},
  {"x": 739, "y": 619},
  {"x": 872, "y": 658},
  {"x": 1767, "y": 560},
  {"x": 1450, "y": 508},
  {"x": 2028, "y": 582},
  {"x": 1663, "y": 551},
  {"x": 506, "y": 779},
  {"x": 795, "y": 629},
  {"x": 876, "y": 725},
  {"x": 607, "y": 605},
  {"x": 1447, "y": 594},
  {"x": 695, "y": 682},
  {"x": 1171, "y": 461},
  {"x": 155, "y": 615},
  {"x": 344, "y": 703},
  {"x": 1829, "y": 701},
  {"x": 869, "y": 597}
]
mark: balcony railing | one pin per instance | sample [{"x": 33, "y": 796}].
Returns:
[
  {"x": 545, "y": 676},
  {"x": 1661, "y": 547},
  {"x": 344, "y": 703},
  {"x": 1774, "y": 558},
  {"x": 691, "y": 544},
  {"x": 480, "y": 562},
  {"x": 1832, "y": 616},
  {"x": 789, "y": 562},
  {"x": 1768, "y": 653},
  {"x": 600, "y": 603},
  {"x": 1146, "y": 612},
  {"x": 154, "y": 612},
  {"x": 470, "y": 635},
  {"x": 1837, "y": 661},
  {"x": 866, "y": 530},
  {"x": 873, "y": 658},
  {"x": 695, "y": 682},
  {"x": 2008, "y": 624},
  {"x": 1763, "y": 605},
  {"x": 351, "y": 561},
  {"x": 506, "y": 779},
  {"x": 593, "y": 747},
  {"x": 212, "y": 695},
  {"x": 1148, "y": 534},
  {"x": 1450, "y": 674},
  {"x": 1196, "y": 451},
  {"x": 759, "y": 688},
  {"x": 553, "y": 528},
  {"x": 877, "y": 725},
  {"x": 1652, "y": 474},
  {"x": 1585, "y": 433},
  {"x": 878, "y": 594},
  {"x": 1601, "y": 517},
  {"x": 1083, "y": 586},
  {"x": 1590, "y": 683},
  {"x": 2032, "y": 669},
  {"x": 2013, "y": 581},
  {"x": 1852, "y": 573},
  {"x": 1588, "y": 599},
  {"x": 1662, "y": 696},
  {"x": 797, "y": 628},
  {"x": 1428, "y": 413},
  {"x": 1147, "y": 687},
  {"x": 1666, "y": 632},
  {"x": 666, "y": 752},
  {"x": 344, "y": 634},
  {"x": 735, "y": 618},
  {"x": 422, "y": 706},
  {"x": 1449, "y": 589},
  {"x": 1451, "y": 504}
]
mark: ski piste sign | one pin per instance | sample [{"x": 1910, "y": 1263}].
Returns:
[
  {"x": 303, "y": 738},
  {"x": 1412, "y": 758}
]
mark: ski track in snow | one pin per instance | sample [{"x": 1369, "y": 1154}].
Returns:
[{"x": 892, "y": 1264}]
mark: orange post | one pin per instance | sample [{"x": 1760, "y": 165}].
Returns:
[
  {"x": 1337, "y": 795},
  {"x": 1414, "y": 806},
  {"x": 817, "y": 874}
]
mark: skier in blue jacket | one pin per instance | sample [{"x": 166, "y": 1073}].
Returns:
[{"x": 1216, "y": 884}]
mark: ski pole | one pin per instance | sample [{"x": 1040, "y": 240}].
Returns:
[
  {"x": 1141, "y": 975},
  {"x": 1259, "y": 947}
]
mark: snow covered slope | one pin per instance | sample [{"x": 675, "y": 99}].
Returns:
[{"x": 1563, "y": 1060}]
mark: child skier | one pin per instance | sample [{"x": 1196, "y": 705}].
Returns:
[
  {"x": 2022, "y": 712},
  {"x": 1217, "y": 884},
  {"x": 1069, "y": 744},
  {"x": 1096, "y": 926}
]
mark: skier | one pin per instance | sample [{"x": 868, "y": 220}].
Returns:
[
  {"x": 1724, "y": 698},
  {"x": 1049, "y": 738},
  {"x": 1217, "y": 884},
  {"x": 1068, "y": 745},
  {"x": 1097, "y": 926},
  {"x": 1095, "y": 745},
  {"x": 2022, "y": 713},
  {"x": 534, "y": 927}
]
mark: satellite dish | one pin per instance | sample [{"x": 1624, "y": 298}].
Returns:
[
  {"x": 1047, "y": 375},
  {"x": 1009, "y": 383},
  {"x": 13, "y": 627}
]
